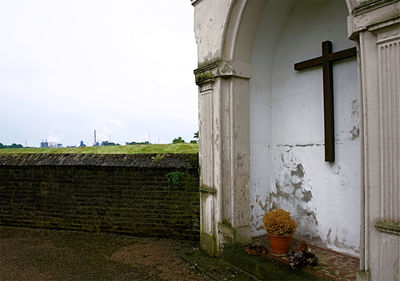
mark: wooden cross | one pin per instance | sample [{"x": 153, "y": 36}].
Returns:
[{"x": 326, "y": 60}]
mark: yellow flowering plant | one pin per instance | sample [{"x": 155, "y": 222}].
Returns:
[{"x": 279, "y": 223}]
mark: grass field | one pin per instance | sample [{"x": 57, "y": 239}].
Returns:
[{"x": 128, "y": 149}]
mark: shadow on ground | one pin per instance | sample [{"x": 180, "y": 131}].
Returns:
[{"x": 39, "y": 254}]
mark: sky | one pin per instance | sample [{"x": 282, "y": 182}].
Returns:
[{"x": 121, "y": 67}]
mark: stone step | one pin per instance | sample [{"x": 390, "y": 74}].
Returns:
[
  {"x": 332, "y": 265},
  {"x": 264, "y": 267}
]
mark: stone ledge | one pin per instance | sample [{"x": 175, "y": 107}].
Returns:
[
  {"x": 370, "y": 5},
  {"x": 176, "y": 161},
  {"x": 388, "y": 227},
  {"x": 221, "y": 69},
  {"x": 264, "y": 267},
  {"x": 208, "y": 190},
  {"x": 206, "y": 67}
]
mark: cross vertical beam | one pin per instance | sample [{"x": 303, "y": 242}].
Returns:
[
  {"x": 329, "y": 119},
  {"x": 326, "y": 60}
]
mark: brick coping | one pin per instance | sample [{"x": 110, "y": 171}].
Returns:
[{"x": 170, "y": 160}]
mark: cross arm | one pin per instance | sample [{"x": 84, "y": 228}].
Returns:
[
  {"x": 344, "y": 54},
  {"x": 308, "y": 63},
  {"x": 330, "y": 57}
]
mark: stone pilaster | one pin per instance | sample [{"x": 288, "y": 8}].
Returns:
[
  {"x": 224, "y": 162},
  {"x": 376, "y": 26}
]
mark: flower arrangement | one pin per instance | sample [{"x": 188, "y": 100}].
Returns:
[{"x": 279, "y": 223}]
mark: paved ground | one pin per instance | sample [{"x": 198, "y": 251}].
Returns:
[
  {"x": 37, "y": 254},
  {"x": 331, "y": 265}
]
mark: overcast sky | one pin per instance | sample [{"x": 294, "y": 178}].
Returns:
[{"x": 122, "y": 67}]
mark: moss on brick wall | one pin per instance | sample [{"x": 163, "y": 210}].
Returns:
[{"x": 130, "y": 196}]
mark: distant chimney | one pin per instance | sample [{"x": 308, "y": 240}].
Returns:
[{"x": 95, "y": 142}]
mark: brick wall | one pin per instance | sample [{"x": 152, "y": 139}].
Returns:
[{"x": 145, "y": 195}]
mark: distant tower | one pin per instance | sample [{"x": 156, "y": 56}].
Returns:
[{"x": 95, "y": 142}]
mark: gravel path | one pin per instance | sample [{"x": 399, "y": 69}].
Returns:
[{"x": 38, "y": 254}]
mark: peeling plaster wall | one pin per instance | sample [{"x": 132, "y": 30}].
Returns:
[{"x": 286, "y": 125}]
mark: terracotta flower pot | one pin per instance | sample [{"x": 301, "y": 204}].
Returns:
[{"x": 279, "y": 244}]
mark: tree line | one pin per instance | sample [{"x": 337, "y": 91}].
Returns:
[
  {"x": 14, "y": 145},
  {"x": 181, "y": 140}
]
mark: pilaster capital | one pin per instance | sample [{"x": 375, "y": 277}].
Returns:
[
  {"x": 365, "y": 6},
  {"x": 368, "y": 14},
  {"x": 221, "y": 68}
]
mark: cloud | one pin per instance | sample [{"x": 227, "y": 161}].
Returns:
[
  {"x": 121, "y": 67},
  {"x": 104, "y": 134},
  {"x": 114, "y": 122},
  {"x": 53, "y": 138}
]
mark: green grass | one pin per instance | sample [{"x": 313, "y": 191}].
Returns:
[{"x": 128, "y": 149}]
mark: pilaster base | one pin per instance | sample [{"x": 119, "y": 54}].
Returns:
[
  {"x": 234, "y": 236},
  {"x": 363, "y": 275},
  {"x": 209, "y": 244}
]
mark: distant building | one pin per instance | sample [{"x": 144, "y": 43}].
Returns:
[
  {"x": 44, "y": 144},
  {"x": 82, "y": 144},
  {"x": 55, "y": 145}
]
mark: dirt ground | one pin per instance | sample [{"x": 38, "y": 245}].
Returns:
[{"x": 38, "y": 254}]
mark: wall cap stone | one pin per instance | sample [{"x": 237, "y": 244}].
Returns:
[{"x": 170, "y": 160}]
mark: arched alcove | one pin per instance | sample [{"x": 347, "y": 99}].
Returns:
[
  {"x": 250, "y": 119},
  {"x": 286, "y": 165}
]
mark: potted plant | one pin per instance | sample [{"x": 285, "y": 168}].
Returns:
[{"x": 280, "y": 227}]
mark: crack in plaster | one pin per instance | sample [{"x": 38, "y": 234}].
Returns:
[
  {"x": 355, "y": 120},
  {"x": 300, "y": 145}
]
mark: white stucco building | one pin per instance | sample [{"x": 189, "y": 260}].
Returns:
[{"x": 262, "y": 141}]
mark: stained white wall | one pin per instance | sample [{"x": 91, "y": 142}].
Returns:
[{"x": 288, "y": 169}]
